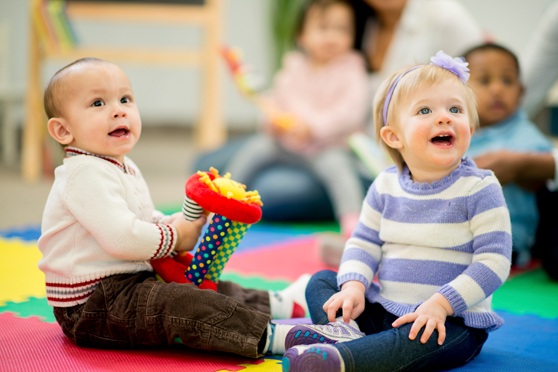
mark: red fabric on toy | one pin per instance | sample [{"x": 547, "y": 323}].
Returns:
[
  {"x": 171, "y": 269},
  {"x": 214, "y": 202}
]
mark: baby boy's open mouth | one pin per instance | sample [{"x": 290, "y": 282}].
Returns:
[
  {"x": 120, "y": 132},
  {"x": 443, "y": 140}
]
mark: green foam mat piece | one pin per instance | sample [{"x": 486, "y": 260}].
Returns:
[
  {"x": 255, "y": 282},
  {"x": 529, "y": 293},
  {"x": 169, "y": 208},
  {"x": 32, "y": 307},
  {"x": 304, "y": 227}
]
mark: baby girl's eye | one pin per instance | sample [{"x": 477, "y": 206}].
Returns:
[
  {"x": 455, "y": 110},
  {"x": 125, "y": 100},
  {"x": 425, "y": 111},
  {"x": 98, "y": 103}
]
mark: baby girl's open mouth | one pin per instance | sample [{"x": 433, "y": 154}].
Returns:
[
  {"x": 443, "y": 140},
  {"x": 120, "y": 132}
]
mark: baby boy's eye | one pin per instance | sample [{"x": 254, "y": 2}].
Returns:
[
  {"x": 425, "y": 111},
  {"x": 98, "y": 103},
  {"x": 125, "y": 100}
]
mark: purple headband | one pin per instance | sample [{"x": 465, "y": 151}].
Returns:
[{"x": 456, "y": 65}]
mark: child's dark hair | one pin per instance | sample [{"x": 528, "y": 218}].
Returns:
[
  {"x": 493, "y": 46},
  {"x": 322, "y": 4}
]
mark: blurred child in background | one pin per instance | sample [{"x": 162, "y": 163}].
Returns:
[
  {"x": 319, "y": 97},
  {"x": 496, "y": 81}
]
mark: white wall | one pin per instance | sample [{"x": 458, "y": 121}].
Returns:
[
  {"x": 509, "y": 21},
  {"x": 169, "y": 95}
]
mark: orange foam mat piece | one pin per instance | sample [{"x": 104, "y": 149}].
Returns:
[{"x": 32, "y": 345}]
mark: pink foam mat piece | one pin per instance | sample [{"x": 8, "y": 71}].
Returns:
[
  {"x": 282, "y": 261},
  {"x": 32, "y": 345}
]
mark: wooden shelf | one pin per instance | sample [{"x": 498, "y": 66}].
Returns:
[
  {"x": 142, "y": 12},
  {"x": 159, "y": 56}
]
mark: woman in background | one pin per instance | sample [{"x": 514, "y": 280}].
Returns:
[{"x": 395, "y": 33}]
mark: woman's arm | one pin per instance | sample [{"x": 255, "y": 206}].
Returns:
[{"x": 540, "y": 61}]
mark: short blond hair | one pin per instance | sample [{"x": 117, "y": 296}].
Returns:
[{"x": 411, "y": 79}]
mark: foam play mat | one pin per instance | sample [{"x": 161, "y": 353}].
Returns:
[{"x": 270, "y": 257}]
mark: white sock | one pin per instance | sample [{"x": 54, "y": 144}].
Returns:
[
  {"x": 352, "y": 322},
  {"x": 276, "y": 336},
  {"x": 291, "y": 301}
]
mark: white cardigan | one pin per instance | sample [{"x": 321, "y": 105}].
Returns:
[{"x": 99, "y": 220}]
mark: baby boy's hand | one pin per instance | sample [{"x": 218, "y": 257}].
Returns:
[{"x": 188, "y": 232}]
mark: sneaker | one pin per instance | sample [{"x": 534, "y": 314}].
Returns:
[
  {"x": 331, "y": 333},
  {"x": 318, "y": 357}
]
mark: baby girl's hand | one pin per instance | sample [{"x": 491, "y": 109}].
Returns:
[
  {"x": 431, "y": 315},
  {"x": 350, "y": 299}
]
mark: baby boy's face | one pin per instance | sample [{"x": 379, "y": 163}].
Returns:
[
  {"x": 495, "y": 81},
  {"x": 100, "y": 111}
]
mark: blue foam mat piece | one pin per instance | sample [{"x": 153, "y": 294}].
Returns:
[
  {"x": 257, "y": 236},
  {"x": 524, "y": 343},
  {"x": 26, "y": 233},
  {"x": 264, "y": 235}
]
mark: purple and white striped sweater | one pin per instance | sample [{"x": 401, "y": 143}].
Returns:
[{"x": 452, "y": 236}]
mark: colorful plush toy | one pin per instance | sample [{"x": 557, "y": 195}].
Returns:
[{"x": 234, "y": 211}]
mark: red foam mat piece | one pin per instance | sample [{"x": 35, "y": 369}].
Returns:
[
  {"x": 32, "y": 345},
  {"x": 282, "y": 261}
]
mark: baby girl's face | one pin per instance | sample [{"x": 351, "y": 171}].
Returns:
[
  {"x": 327, "y": 33},
  {"x": 433, "y": 129}
]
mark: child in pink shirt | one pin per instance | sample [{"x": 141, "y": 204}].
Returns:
[{"x": 321, "y": 96}]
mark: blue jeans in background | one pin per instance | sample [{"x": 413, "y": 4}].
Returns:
[
  {"x": 289, "y": 193},
  {"x": 385, "y": 348}
]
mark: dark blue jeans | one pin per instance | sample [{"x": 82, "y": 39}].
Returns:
[
  {"x": 385, "y": 348},
  {"x": 137, "y": 311}
]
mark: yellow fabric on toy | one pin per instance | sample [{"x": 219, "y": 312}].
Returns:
[{"x": 20, "y": 278}]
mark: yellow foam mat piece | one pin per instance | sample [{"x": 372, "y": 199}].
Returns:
[
  {"x": 267, "y": 365},
  {"x": 20, "y": 278}
]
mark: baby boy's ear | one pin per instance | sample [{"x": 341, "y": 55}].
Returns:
[
  {"x": 57, "y": 128},
  {"x": 390, "y": 137}
]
